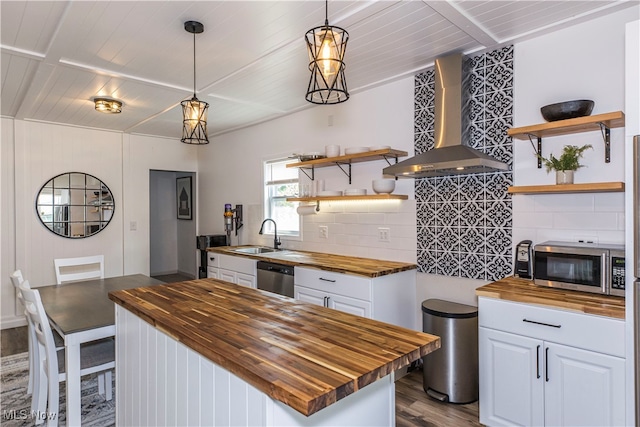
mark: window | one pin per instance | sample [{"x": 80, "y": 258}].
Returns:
[{"x": 281, "y": 182}]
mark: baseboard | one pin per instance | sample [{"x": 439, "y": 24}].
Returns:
[
  {"x": 184, "y": 273},
  {"x": 163, "y": 273},
  {"x": 13, "y": 322}
]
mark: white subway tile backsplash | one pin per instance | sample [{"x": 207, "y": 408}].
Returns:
[
  {"x": 402, "y": 218},
  {"x": 522, "y": 203},
  {"x": 347, "y": 218},
  {"x": 533, "y": 219},
  {"x": 404, "y": 232},
  {"x": 585, "y": 221},
  {"x": 564, "y": 202},
  {"x": 374, "y": 218},
  {"x": 621, "y": 221},
  {"x": 609, "y": 202}
]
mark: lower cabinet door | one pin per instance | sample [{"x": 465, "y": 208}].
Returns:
[
  {"x": 227, "y": 275},
  {"x": 349, "y": 305},
  {"x": 212, "y": 273},
  {"x": 584, "y": 388},
  {"x": 246, "y": 280},
  {"x": 337, "y": 302},
  {"x": 310, "y": 295},
  {"x": 511, "y": 379}
]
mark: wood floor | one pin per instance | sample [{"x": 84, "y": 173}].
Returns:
[
  {"x": 14, "y": 341},
  {"x": 415, "y": 408}
]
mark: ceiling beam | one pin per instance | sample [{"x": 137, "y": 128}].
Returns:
[{"x": 458, "y": 17}]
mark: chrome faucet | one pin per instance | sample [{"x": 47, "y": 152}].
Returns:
[{"x": 276, "y": 241}]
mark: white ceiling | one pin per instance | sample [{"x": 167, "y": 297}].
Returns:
[{"x": 252, "y": 63}]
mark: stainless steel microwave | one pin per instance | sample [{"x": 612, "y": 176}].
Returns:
[{"x": 586, "y": 267}]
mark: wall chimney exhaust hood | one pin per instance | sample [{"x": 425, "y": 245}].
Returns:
[{"x": 450, "y": 155}]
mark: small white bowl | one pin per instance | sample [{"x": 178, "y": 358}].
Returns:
[
  {"x": 329, "y": 193},
  {"x": 384, "y": 186},
  {"x": 332, "y": 150}
]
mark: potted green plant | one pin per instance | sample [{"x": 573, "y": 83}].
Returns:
[{"x": 566, "y": 164}]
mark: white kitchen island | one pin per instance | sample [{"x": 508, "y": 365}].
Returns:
[{"x": 207, "y": 352}]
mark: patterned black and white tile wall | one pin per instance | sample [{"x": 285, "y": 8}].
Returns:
[{"x": 465, "y": 221}]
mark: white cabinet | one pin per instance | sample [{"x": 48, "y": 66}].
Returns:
[
  {"x": 213, "y": 262},
  {"x": 541, "y": 366},
  {"x": 335, "y": 301},
  {"x": 234, "y": 269},
  {"x": 389, "y": 298}
]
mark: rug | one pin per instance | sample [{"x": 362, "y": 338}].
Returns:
[{"x": 15, "y": 404}]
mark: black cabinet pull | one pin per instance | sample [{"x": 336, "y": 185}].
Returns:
[
  {"x": 538, "y": 362},
  {"x": 325, "y": 301},
  {"x": 542, "y": 323},
  {"x": 546, "y": 364},
  {"x": 327, "y": 280}
]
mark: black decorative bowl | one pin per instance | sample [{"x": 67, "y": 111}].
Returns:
[{"x": 567, "y": 110}]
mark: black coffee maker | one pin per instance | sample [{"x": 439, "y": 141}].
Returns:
[{"x": 524, "y": 260}]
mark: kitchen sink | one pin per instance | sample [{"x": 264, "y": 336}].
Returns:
[{"x": 255, "y": 250}]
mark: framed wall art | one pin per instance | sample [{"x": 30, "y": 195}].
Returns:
[{"x": 183, "y": 197}]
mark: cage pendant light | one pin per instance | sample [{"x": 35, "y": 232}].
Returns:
[
  {"x": 194, "y": 112},
  {"x": 326, "y": 46}
]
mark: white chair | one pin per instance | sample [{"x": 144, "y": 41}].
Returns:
[
  {"x": 17, "y": 279},
  {"x": 82, "y": 268},
  {"x": 96, "y": 356}
]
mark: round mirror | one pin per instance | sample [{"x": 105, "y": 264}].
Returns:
[{"x": 75, "y": 205}]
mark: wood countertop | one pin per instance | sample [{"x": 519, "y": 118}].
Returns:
[
  {"x": 367, "y": 267},
  {"x": 303, "y": 355},
  {"x": 525, "y": 291}
]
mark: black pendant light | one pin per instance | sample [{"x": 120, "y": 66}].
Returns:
[
  {"x": 194, "y": 112},
  {"x": 327, "y": 45}
]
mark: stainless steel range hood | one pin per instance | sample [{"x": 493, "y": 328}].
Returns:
[{"x": 450, "y": 155}]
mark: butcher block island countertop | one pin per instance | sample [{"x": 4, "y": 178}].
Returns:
[
  {"x": 303, "y": 355},
  {"x": 367, "y": 267},
  {"x": 525, "y": 291}
]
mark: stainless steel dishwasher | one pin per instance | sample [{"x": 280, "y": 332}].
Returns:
[{"x": 276, "y": 278}]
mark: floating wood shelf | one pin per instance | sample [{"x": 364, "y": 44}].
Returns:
[
  {"x": 569, "y": 126},
  {"x": 592, "y": 187},
  {"x": 603, "y": 122},
  {"x": 363, "y": 197},
  {"x": 367, "y": 156},
  {"x": 345, "y": 161}
]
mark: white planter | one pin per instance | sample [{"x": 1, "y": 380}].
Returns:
[{"x": 564, "y": 177}]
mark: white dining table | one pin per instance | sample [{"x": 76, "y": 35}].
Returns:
[{"x": 82, "y": 312}]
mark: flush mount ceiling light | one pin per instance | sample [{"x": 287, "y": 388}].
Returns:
[
  {"x": 107, "y": 105},
  {"x": 326, "y": 46},
  {"x": 194, "y": 112}
]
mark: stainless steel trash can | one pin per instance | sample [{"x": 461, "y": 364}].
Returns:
[{"x": 450, "y": 374}]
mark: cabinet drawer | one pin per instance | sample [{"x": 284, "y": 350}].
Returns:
[
  {"x": 213, "y": 259},
  {"x": 596, "y": 333},
  {"x": 337, "y": 283}
]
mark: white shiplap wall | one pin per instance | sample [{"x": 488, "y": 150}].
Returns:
[
  {"x": 122, "y": 161},
  {"x": 43, "y": 151}
]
